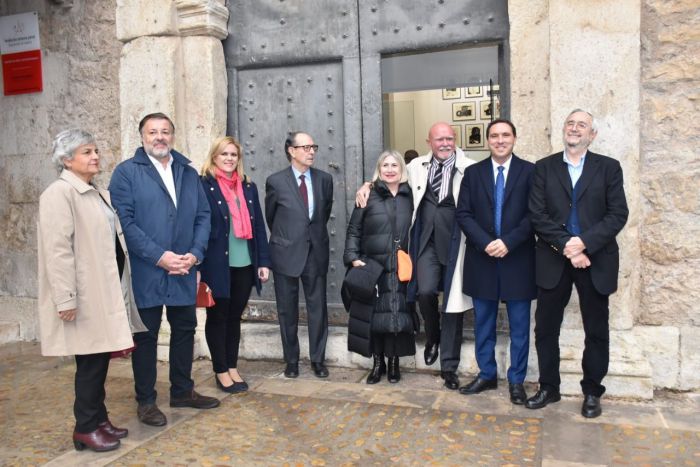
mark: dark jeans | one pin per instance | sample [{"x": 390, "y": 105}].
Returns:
[
  {"x": 183, "y": 322},
  {"x": 223, "y": 326},
  {"x": 90, "y": 375},
  {"x": 594, "y": 313}
]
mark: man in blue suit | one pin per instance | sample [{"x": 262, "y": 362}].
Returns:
[
  {"x": 165, "y": 217},
  {"x": 499, "y": 264}
]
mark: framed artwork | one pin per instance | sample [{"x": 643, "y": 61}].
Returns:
[
  {"x": 473, "y": 91},
  {"x": 486, "y": 112},
  {"x": 474, "y": 135},
  {"x": 452, "y": 93},
  {"x": 463, "y": 111},
  {"x": 458, "y": 135}
]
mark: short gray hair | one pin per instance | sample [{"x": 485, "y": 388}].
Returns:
[
  {"x": 594, "y": 122},
  {"x": 399, "y": 159},
  {"x": 66, "y": 142}
]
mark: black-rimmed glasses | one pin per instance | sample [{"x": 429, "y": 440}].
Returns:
[{"x": 307, "y": 147}]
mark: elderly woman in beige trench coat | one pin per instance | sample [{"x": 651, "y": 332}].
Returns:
[{"x": 86, "y": 306}]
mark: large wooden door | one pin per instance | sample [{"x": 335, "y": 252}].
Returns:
[{"x": 314, "y": 66}]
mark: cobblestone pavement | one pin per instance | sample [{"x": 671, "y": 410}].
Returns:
[{"x": 339, "y": 421}]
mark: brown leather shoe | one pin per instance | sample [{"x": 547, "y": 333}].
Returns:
[
  {"x": 112, "y": 430},
  {"x": 97, "y": 440},
  {"x": 150, "y": 414},
  {"x": 195, "y": 401}
]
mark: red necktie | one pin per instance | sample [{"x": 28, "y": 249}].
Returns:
[{"x": 302, "y": 191}]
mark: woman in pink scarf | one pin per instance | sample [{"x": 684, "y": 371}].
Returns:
[{"x": 237, "y": 256}]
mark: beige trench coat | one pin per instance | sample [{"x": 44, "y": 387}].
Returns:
[
  {"x": 418, "y": 170},
  {"x": 78, "y": 269}
]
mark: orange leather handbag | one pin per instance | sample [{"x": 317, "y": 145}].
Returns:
[{"x": 405, "y": 266}]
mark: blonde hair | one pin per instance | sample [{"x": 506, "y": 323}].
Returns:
[
  {"x": 217, "y": 147},
  {"x": 399, "y": 159}
]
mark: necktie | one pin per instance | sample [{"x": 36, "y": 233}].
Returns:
[
  {"x": 498, "y": 200},
  {"x": 302, "y": 191},
  {"x": 437, "y": 180}
]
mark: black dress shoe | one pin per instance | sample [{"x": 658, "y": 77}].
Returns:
[
  {"x": 194, "y": 400},
  {"x": 518, "y": 396},
  {"x": 393, "y": 373},
  {"x": 542, "y": 398},
  {"x": 235, "y": 388},
  {"x": 451, "y": 379},
  {"x": 378, "y": 369},
  {"x": 97, "y": 440},
  {"x": 150, "y": 414},
  {"x": 320, "y": 370},
  {"x": 112, "y": 430},
  {"x": 478, "y": 385},
  {"x": 591, "y": 406},
  {"x": 291, "y": 370},
  {"x": 431, "y": 353}
]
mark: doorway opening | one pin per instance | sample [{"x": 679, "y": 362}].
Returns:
[{"x": 458, "y": 85}]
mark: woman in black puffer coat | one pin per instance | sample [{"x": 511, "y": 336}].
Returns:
[{"x": 376, "y": 232}]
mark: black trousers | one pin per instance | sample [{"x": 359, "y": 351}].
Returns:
[
  {"x": 594, "y": 314},
  {"x": 183, "y": 322},
  {"x": 287, "y": 297},
  {"x": 443, "y": 328},
  {"x": 90, "y": 375},
  {"x": 223, "y": 325}
]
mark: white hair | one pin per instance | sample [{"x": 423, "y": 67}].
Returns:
[{"x": 66, "y": 142}]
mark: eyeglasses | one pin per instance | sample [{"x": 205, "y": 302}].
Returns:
[{"x": 307, "y": 147}]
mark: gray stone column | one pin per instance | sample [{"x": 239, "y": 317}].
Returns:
[
  {"x": 565, "y": 54},
  {"x": 172, "y": 61}
]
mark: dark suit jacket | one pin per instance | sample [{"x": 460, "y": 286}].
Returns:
[
  {"x": 292, "y": 233},
  {"x": 516, "y": 271},
  {"x": 215, "y": 267},
  {"x": 602, "y": 212}
]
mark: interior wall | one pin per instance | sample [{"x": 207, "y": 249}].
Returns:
[{"x": 430, "y": 107}]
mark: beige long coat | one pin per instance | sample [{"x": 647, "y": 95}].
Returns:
[
  {"x": 418, "y": 170},
  {"x": 78, "y": 269}
]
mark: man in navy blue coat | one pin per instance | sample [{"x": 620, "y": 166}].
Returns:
[
  {"x": 165, "y": 217},
  {"x": 499, "y": 264}
]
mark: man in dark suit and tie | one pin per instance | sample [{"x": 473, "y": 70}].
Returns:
[
  {"x": 577, "y": 206},
  {"x": 500, "y": 259},
  {"x": 298, "y": 203}
]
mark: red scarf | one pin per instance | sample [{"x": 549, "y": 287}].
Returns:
[{"x": 232, "y": 189}]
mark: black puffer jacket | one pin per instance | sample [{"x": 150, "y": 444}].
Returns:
[{"x": 369, "y": 236}]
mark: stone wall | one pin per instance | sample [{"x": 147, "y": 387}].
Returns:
[
  {"x": 80, "y": 60},
  {"x": 669, "y": 308}
]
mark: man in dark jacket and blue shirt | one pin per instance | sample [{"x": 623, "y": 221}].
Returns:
[
  {"x": 577, "y": 207},
  {"x": 165, "y": 217},
  {"x": 499, "y": 264}
]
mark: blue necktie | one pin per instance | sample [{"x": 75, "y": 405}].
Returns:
[{"x": 498, "y": 201}]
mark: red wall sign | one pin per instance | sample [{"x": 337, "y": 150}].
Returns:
[
  {"x": 21, "y": 72},
  {"x": 21, "y": 53}
]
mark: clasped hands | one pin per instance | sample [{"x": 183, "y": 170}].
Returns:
[
  {"x": 574, "y": 251},
  {"x": 496, "y": 249},
  {"x": 177, "y": 264}
]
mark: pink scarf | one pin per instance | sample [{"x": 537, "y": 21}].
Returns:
[{"x": 232, "y": 189}]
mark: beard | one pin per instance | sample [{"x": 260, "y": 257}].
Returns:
[{"x": 158, "y": 153}]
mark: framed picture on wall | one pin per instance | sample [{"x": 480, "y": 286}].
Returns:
[
  {"x": 458, "y": 135},
  {"x": 486, "y": 112},
  {"x": 463, "y": 111},
  {"x": 474, "y": 135},
  {"x": 452, "y": 93},
  {"x": 473, "y": 91}
]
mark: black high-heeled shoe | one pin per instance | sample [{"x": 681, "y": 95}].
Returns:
[
  {"x": 235, "y": 388},
  {"x": 394, "y": 374},
  {"x": 378, "y": 369}
]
